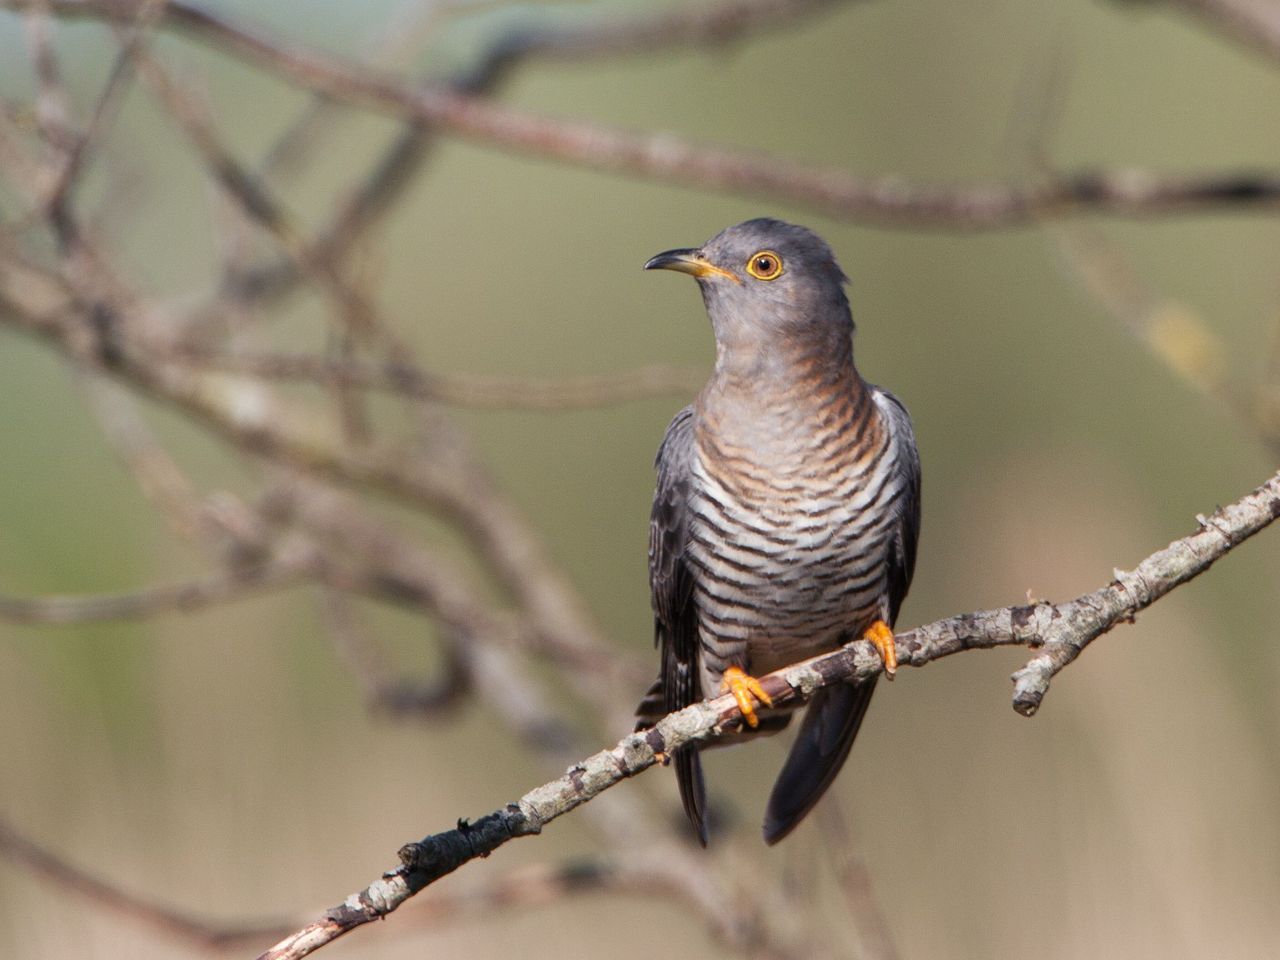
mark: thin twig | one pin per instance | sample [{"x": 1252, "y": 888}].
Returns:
[
  {"x": 174, "y": 923},
  {"x": 180, "y": 597},
  {"x": 1172, "y": 332},
  {"x": 1254, "y": 24},
  {"x": 459, "y": 389}
]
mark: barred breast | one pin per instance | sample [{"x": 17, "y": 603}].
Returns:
[{"x": 790, "y": 530}]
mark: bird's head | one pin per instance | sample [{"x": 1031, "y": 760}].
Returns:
[{"x": 765, "y": 281}]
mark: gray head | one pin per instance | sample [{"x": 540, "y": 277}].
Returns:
[{"x": 766, "y": 282}]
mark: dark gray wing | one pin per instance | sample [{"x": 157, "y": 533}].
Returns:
[
  {"x": 674, "y": 615},
  {"x": 835, "y": 713},
  {"x": 902, "y": 563}
]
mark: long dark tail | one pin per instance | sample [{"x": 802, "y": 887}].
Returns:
[
  {"x": 693, "y": 789},
  {"x": 829, "y": 727}
]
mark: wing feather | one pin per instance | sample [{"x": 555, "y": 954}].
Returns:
[{"x": 674, "y": 614}]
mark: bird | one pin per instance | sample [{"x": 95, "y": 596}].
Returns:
[{"x": 786, "y": 512}]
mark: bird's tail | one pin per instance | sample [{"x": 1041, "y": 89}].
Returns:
[{"x": 834, "y": 715}]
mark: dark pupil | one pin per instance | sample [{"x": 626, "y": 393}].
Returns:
[{"x": 764, "y": 264}]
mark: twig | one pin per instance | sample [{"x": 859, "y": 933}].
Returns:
[
  {"x": 570, "y": 38},
  {"x": 1170, "y": 331},
  {"x": 250, "y": 194},
  {"x": 174, "y": 923},
  {"x": 383, "y": 692},
  {"x": 689, "y": 25},
  {"x": 459, "y": 389},
  {"x": 1061, "y": 631},
  {"x": 193, "y": 595},
  {"x": 888, "y": 201},
  {"x": 1252, "y": 23},
  {"x": 105, "y": 110}
]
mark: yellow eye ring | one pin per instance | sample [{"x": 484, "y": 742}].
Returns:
[{"x": 765, "y": 265}]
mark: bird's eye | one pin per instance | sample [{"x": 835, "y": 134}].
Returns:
[{"x": 765, "y": 265}]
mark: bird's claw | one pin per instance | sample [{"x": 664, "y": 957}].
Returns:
[
  {"x": 746, "y": 689},
  {"x": 881, "y": 637}
]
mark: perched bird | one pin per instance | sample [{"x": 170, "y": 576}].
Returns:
[{"x": 787, "y": 507}]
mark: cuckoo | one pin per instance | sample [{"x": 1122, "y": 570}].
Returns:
[{"x": 787, "y": 508}]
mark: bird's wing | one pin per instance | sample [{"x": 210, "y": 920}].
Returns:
[
  {"x": 835, "y": 713},
  {"x": 674, "y": 615},
  {"x": 902, "y": 561}
]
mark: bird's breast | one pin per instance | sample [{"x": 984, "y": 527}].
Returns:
[{"x": 790, "y": 532}]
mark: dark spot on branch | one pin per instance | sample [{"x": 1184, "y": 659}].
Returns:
[
  {"x": 583, "y": 874},
  {"x": 656, "y": 741},
  {"x": 1086, "y": 188},
  {"x": 435, "y": 856},
  {"x": 105, "y": 324},
  {"x": 1239, "y": 189},
  {"x": 397, "y": 589}
]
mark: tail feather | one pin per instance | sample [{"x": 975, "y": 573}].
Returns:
[
  {"x": 693, "y": 789},
  {"x": 830, "y": 725}
]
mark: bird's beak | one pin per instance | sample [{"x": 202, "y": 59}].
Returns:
[{"x": 691, "y": 262}]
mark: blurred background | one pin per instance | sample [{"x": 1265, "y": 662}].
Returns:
[{"x": 224, "y": 762}]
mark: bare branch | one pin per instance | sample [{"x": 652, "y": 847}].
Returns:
[
  {"x": 1252, "y": 23},
  {"x": 1061, "y": 631},
  {"x": 459, "y": 389},
  {"x": 192, "y": 595},
  {"x": 1169, "y": 330},
  {"x": 672, "y": 27},
  {"x": 42, "y": 862},
  {"x": 887, "y": 201},
  {"x": 572, "y": 38}
]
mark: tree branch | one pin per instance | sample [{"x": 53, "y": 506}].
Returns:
[
  {"x": 1060, "y": 631},
  {"x": 174, "y": 923},
  {"x": 1251, "y": 23},
  {"x": 216, "y": 588},
  {"x": 459, "y": 389},
  {"x": 885, "y": 201}
]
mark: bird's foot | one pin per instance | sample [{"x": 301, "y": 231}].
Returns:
[
  {"x": 881, "y": 637},
  {"x": 746, "y": 689}
]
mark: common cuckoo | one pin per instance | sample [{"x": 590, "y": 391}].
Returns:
[{"x": 787, "y": 507}]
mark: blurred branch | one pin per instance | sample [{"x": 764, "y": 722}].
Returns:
[
  {"x": 1251, "y": 23},
  {"x": 573, "y": 38},
  {"x": 1059, "y": 631},
  {"x": 459, "y": 389},
  {"x": 193, "y": 595},
  {"x": 1171, "y": 331},
  {"x": 58, "y": 871},
  {"x": 705, "y": 24},
  {"x": 535, "y": 884},
  {"x": 383, "y": 691},
  {"x": 887, "y": 201}
]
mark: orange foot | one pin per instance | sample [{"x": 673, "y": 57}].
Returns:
[
  {"x": 746, "y": 690},
  {"x": 881, "y": 636}
]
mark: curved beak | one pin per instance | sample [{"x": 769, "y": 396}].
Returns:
[{"x": 688, "y": 261}]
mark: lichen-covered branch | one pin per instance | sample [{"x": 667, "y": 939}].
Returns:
[{"x": 1060, "y": 632}]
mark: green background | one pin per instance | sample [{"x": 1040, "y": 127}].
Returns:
[{"x": 223, "y": 762}]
